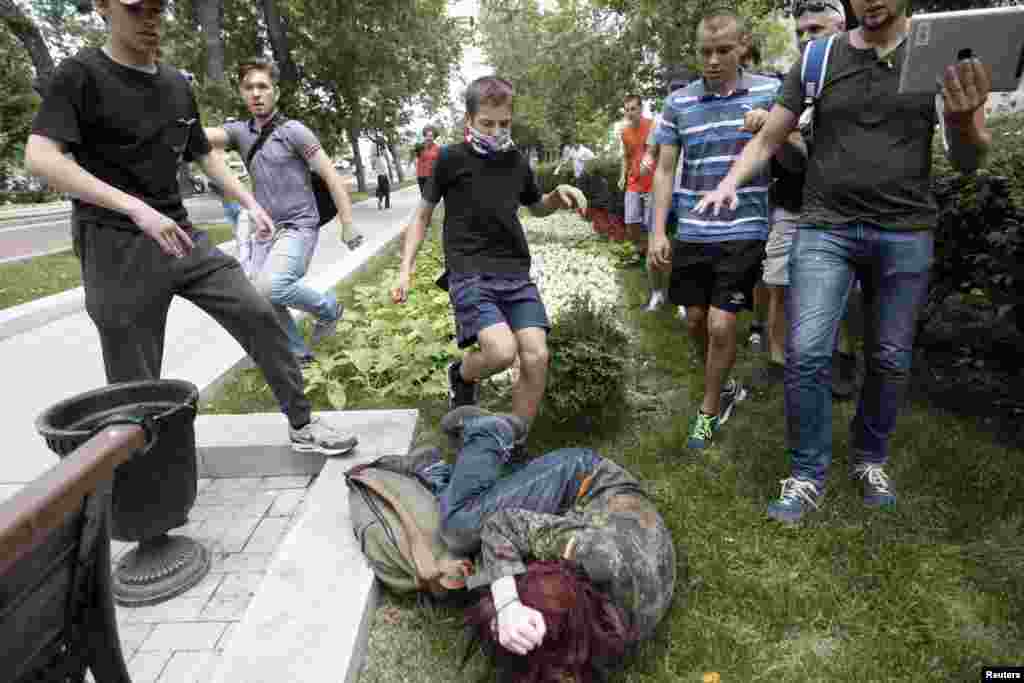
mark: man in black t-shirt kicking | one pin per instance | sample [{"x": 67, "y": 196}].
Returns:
[
  {"x": 483, "y": 181},
  {"x": 129, "y": 121}
]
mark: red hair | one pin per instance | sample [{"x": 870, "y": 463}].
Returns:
[{"x": 581, "y": 623}]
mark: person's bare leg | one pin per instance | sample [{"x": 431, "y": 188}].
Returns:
[
  {"x": 497, "y": 352},
  {"x": 721, "y": 357},
  {"x": 528, "y": 391},
  {"x": 697, "y": 324},
  {"x": 777, "y": 324}
]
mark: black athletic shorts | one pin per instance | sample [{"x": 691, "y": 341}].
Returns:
[{"x": 720, "y": 274}]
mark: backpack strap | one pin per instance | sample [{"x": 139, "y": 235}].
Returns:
[
  {"x": 814, "y": 68},
  {"x": 265, "y": 132}
]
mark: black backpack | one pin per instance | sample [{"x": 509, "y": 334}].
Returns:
[{"x": 324, "y": 202}]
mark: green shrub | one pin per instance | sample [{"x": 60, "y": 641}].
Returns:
[
  {"x": 979, "y": 239},
  {"x": 388, "y": 350},
  {"x": 587, "y": 372}
]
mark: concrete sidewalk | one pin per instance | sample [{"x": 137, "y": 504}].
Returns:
[{"x": 63, "y": 358}]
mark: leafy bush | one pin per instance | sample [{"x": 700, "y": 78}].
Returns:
[
  {"x": 979, "y": 239},
  {"x": 587, "y": 372},
  {"x": 28, "y": 197},
  {"x": 388, "y": 350}
]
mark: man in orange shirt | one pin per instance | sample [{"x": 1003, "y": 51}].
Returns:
[
  {"x": 425, "y": 161},
  {"x": 637, "y": 185}
]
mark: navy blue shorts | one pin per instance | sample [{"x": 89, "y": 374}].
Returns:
[{"x": 480, "y": 301}]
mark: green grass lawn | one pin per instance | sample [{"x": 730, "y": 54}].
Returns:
[
  {"x": 35, "y": 278},
  {"x": 932, "y": 590}
]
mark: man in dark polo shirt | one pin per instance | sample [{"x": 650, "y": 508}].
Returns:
[
  {"x": 281, "y": 177},
  {"x": 483, "y": 182},
  {"x": 868, "y": 212},
  {"x": 128, "y": 121}
]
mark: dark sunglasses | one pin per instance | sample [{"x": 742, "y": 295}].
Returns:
[{"x": 800, "y": 8}]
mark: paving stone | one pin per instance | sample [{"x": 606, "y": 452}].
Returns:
[
  {"x": 240, "y": 562},
  {"x": 287, "y": 482},
  {"x": 204, "y": 589},
  {"x": 255, "y": 505},
  {"x": 177, "y": 609},
  {"x": 227, "y": 608},
  {"x": 146, "y": 667},
  {"x": 286, "y": 503},
  {"x": 229, "y": 535},
  {"x": 225, "y": 639},
  {"x": 257, "y": 443},
  {"x": 240, "y": 583},
  {"x": 184, "y": 636},
  {"x": 268, "y": 535},
  {"x": 189, "y": 667},
  {"x": 132, "y": 636}
]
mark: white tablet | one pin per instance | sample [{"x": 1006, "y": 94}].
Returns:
[{"x": 995, "y": 36}]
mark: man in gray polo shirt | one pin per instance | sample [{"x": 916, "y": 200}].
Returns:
[{"x": 282, "y": 183}]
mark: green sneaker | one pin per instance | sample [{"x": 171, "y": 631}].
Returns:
[{"x": 702, "y": 432}]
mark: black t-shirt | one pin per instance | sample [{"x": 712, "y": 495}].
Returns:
[
  {"x": 129, "y": 128},
  {"x": 482, "y": 232},
  {"x": 872, "y": 154}
]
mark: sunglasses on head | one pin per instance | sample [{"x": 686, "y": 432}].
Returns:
[{"x": 801, "y": 8}]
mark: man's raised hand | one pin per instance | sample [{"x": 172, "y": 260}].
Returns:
[
  {"x": 571, "y": 197},
  {"x": 965, "y": 89}
]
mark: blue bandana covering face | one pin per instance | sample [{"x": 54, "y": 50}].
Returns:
[{"x": 489, "y": 145}]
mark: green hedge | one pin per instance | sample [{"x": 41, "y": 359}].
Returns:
[
  {"x": 28, "y": 197},
  {"x": 599, "y": 183}
]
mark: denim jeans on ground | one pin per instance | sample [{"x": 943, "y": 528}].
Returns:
[
  {"x": 285, "y": 266},
  {"x": 893, "y": 268},
  {"x": 547, "y": 484}
]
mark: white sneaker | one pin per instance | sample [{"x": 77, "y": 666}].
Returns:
[
  {"x": 682, "y": 313},
  {"x": 656, "y": 301}
]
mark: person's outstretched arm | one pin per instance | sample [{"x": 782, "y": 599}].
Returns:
[
  {"x": 781, "y": 122},
  {"x": 415, "y": 233},
  {"x": 322, "y": 166},
  {"x": 214, "y": 166}
]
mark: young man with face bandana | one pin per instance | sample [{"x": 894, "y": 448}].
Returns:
[
  {"x": 483, "y": 181},
  {"x": 129, "y": 120},
  {"x": 867, "y": 215}
]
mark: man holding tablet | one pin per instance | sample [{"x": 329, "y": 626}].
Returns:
[{"x": 868, "y": 212}]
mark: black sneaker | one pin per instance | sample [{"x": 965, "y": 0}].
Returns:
[
  {"x": 844, "y": 376},
  {"x": 461, "y": 392}
]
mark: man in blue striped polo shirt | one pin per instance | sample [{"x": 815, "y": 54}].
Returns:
[{"x": 716, "y": 261}]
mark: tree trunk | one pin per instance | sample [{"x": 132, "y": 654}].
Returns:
[
  {"x": 27, "y": 32},
  {"x": 279, "y": 42},
  {"x": 211, "y": 18},
  {"x": 353, "y": 138},
  {"x": 396, "y": 160}
]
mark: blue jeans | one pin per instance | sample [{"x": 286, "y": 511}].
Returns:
[
  {"x": 285, "y": 266},
  {"x": 231, "y": 211},
  {"x": 547, "y": 484},
  {"x": 893, "y": 270}
]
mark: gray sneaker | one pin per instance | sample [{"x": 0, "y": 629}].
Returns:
[
  {"x": 732, "y": 393},
  {"x": 325, "y": 328},
  {"x": 319, "y": 437}
]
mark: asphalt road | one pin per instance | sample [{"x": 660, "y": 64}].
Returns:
[{"x": 34, "y": 231}]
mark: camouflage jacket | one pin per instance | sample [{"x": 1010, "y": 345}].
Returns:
[{"x": 612, "y": 532}]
